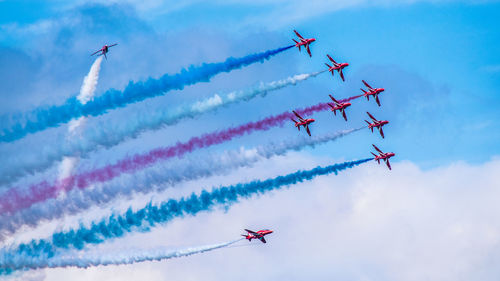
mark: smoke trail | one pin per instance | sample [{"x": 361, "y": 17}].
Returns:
[
  {"x": 88, "y": 259},
  {"x": 90, "y": 83},
  {"x": 16, "y": 198},
  {"x": 110, "y": 134},
  {"x": 43, "y": 118},
  {"x": 118, "y": 225},
  {"x": 87, "y": 91},
  {"x": 156, "y": 179}
]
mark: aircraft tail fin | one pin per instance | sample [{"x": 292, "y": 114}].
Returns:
[
  {"x": 296, "y": 44},
  {"x": 369, "y": 125},
  {"x": 298, "y": 127}
]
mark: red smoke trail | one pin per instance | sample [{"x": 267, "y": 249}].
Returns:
[{"x": 14, "y": 199}]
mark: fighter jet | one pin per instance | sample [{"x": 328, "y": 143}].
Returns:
[
  {"x": 104, "y": 50},
  {"x": 341, "y": 106},
  {"x": 372, "y": 92},
  {"x": 303, "y": 42},
  {"x": 302, "y": 122},
  {"x": 257, "y": 235},
  {"x": 336, "y": 66},
  {"x": 376, "y": 124},
  {"x": 383, "y": 156}
]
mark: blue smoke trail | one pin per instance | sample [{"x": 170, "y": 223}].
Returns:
[
  {"x": 157, "y": 179},
  {"x": 110, "y": 134},
  {"x": 43, "y": 118},
  {"x": 143, "y": 219}
]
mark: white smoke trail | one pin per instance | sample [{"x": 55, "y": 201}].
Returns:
[
  {"x": 156, "y": 179},
  {"x": 109, "y": 134},
  {"x": 66, "y": 167},
  {"x": 90, "y": 82},
  {"x": 85, "y": 259},
  {"x": 75, "y": 127}
]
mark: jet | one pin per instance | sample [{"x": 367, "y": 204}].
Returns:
[
  {"x": 104, "y": 50},
  {"x": 303, "y": 42},
  {"x": 302, "y": 122},
  {"x": 376, "y": 124},
  {"x": 341, "y": 106},
  {"x": 383, "y": 156},
  {"x": 257, "y": 235},
  {"x": 372, "y": 92},
  {"x": 336, "y": 66}
]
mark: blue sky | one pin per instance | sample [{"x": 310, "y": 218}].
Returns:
[{"x": 437, "y": 60}]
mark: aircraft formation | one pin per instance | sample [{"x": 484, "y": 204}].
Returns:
[
  {"x": 341, "y": 106},
  {"x": 14, "y": 201}
]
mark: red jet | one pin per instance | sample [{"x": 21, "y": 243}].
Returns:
[
  {"x": 104, "y": 50},
  {"x": 372, "y": 92},
  {"x": 302, "y": 122},
  {"x": 257, "y": 235},
  {"x": 376, "y": 124},
  {"x": 341, "y": 106},
  {"x": 303, "y": 42},
  {"x": 383, "y": 156},
  {"x": 336, "y": 66}
]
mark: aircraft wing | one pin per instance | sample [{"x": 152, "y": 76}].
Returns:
[
  {"x": 112, "y": 45},
  {"x": 262, "y": 239},
  {"x": 376, "y": 148},
  {"x": 343, "y": 114},
  {"x": 388, "y": 164},
  {"x": 341, "y": 75},
  {"x": 381, "y": 131},
  {"x": 308, "y": 50},
  {"x": 331, "y": 59},
  {"x": 250, "y": 231},
  {"x": 371, "y": 116},
  {"x": 377, "y": 100},
  {"x": 334, "y": 100},
  {"x": 308, "y": 132},
  {"x": 298, "y": 116},
  {"x": 366, "y": 84},
  {"x": 300, "y": 36},
  {"x": 97, "y": 52}
]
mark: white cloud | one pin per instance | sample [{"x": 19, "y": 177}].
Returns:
[{"x": 365, "y": 224}]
